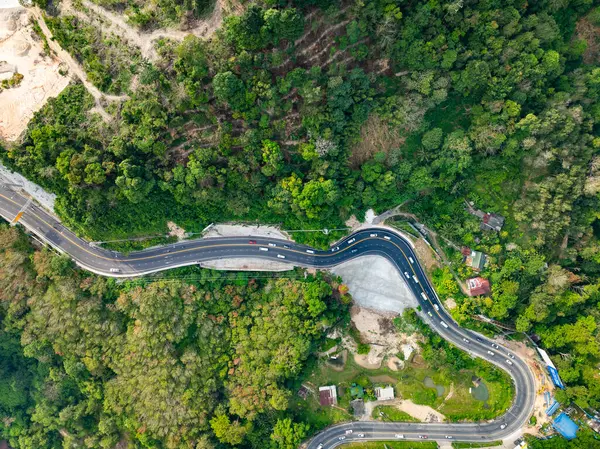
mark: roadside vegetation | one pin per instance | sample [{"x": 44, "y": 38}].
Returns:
[{"x": 308, "y": 112}]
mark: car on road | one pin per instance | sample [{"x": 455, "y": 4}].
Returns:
[
  {"x": 354, "y": 251},
  {"x": 310, "y": 251},
  {"x": 511, "y": 356},
  {"x": 509, "y": 362},
  {"x": 449, "y": 437},
  {"x": 495, "y": 346},
  {"x": 272, "y": 244},
  {"x": 411, "y": 260},
  {"x": 335, "y": 249},
  {"x": 280, "y": 256},
  {"x": 424, "y": 296},
  {"x": 286, "y": 246},
  {"x": 320, "y": 446},
  {"x": 436, "y": 307},
  {"x": 342, "y": 438},
  {"x": 399, "y": 435},
  {"x": 466, "y": 340},
  {"x": 503, "y": 426},
  {"x": 252, "y": 242},
  {"x": 348, "y": 432},
  {"x": 387, "y": 237},
  {"x": 429, "y": 313},
  {"x": 114, "y": 270},
  {"x": 262, "y": 248},
  {"x": 360, "y": 435},
  {"x": 491, "y": 353},
  {"x": 372, "y": 235},
  {"x": 351, "y": 241},
  {"x": 478, "y": 339},
  {"x": 444, "y": 324},
  {"x": 415, "y": 279},
  {"x": 423, "y": 437},
  {"x": 407, "y": 275}
]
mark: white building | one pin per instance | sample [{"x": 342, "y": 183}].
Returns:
[{"x": 384, "y": 394}]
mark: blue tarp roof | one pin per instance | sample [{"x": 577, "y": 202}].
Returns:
[
  {"x": 552, "y": 409},
  {"x": 565, "y": 426},
  {"x": 555, "y": 377}
]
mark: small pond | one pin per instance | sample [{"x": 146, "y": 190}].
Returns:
[
  {"x": 480, "y": 391},
  {"x": 429, "y": 383}
]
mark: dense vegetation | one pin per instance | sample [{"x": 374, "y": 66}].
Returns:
[
  {"x": 166, "y": 364},
  {"x": 306, "y": 113}
]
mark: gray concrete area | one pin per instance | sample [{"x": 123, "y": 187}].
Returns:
[{"x": 376, "y": 284}]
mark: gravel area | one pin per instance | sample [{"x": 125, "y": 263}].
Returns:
[
  {"x": 241, "y": 230},
  {"x": 374, "y": 283},
  {"x": 247, "y": 265},
  {"x": 46, "y": 199}
]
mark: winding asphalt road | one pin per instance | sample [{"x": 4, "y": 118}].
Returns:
[{"x": 375, "y": 241}]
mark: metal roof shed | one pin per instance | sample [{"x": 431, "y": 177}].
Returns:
[{"x": 565, "y": 426}]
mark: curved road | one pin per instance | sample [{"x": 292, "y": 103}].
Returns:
[{"x": 375, "y": 241}]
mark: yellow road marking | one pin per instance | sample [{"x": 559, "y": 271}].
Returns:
[{"x": 157, "y": 256}]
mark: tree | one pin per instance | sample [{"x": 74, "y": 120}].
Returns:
[{"x": 287, "y": 434}]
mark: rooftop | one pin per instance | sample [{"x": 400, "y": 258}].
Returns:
[
  {"x": 328, "y": 395},
  {"x": 478, "y": 286},
  {"x": 565, "y": 426},
  {"x": 384, "y": 394}
]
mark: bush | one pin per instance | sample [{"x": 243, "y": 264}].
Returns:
[{"x": 363, "y": 348}]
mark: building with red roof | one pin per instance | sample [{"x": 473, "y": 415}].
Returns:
[{"x": 478, "y": 286}]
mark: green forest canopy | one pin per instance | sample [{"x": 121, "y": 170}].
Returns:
[{"x": 305, "y": 113}]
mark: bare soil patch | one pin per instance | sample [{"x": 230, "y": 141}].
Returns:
[
  {"x": 22, "y": 52},
  {"x": 375, "y": 136},
  {"x": 591, "y": 34},
  {"x": 426, "y": 255}
]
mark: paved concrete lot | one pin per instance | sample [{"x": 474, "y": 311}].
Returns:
[{"x": 375, "y": 283}]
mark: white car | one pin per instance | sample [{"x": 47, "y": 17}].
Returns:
[
  {"x": 262, "y": 248},
  {"x": 503, "y": 426},
  {"x": 351, "y": 241},
  {"x": 449, "y": 437},
  {"x": 495, "y": 346},
  {"x": 335, "y": 249},
  {"x": 511, "y": 356},
  {"x": 310, "y": 251},
  {"x": 361, "y": 435},
  {"x": 407, "y": 275},
  {"x": 348, "y": 432},
  {"x": 444, "y": 324},
  {"x": 415, "y": 279},
  {"x": 114, "y": 270},
  {"x": 320, "y": 446},
  {"x": 466, "y": 341},
  {"x": 429, "y": 313},
  {"x": 272, "y": 244},
  {"x": 398, "y": 435},
  {"x": 373, "y": 235},
  {"x": 436, "y": 307},
  {"x": 387, "y": 237},
  {"x": 411, "y": 260},
  {"x": 491, "y": 353},
  {"x": 342, "y": 438},
  {"x": 509, "y": 362},
  {"x": 280, "y": 256}
]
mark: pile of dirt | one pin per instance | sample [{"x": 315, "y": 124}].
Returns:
[{"x": 377, "y": 329}]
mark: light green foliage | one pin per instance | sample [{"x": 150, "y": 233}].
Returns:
[{"x": 161, "y": 361}]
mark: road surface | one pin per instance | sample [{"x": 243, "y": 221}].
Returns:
[{"x": 374, "y": 241}]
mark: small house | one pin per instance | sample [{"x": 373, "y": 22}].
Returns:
[
  {"x": 328, "y": 395},
  {"x": 476, "y": 260},
  {"x": 492, "y": 222},
  {"x": 356, "y": 391},
  {"x": 384, "y": 394},
  {"x": 358, "y": 408},
  {"x": 478, "y": 286},
  {"x": 565, "y": 426}
]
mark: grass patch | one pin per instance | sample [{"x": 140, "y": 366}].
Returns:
[
  {"x": 329, "y": 343},
  {"x": 392, "y": 445},
  {"x": 457, "y": 445},
  {"x": 391, "y": 413},
  {"x": 138, "y": 245}
]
